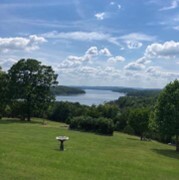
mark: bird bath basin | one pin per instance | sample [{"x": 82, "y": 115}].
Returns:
[{"x": 61, "y": 139}]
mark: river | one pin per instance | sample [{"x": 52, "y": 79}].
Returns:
[{"x": 92, "y": 96}]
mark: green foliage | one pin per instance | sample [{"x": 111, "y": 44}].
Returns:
[
  {"x": 108, "y": 110},
  {"x": 63, "y": 111},
  {"x": 129, "y": 130},
  {"x": 128, "y": 102},
  {"x": 167, "y": 111},
  {"x": 93, "y": 112},
  {"x": 87, "y": 123},
  {"x": 144, "y": 92},
  {"x": 121, "y": 121},
  {"x": 4, "y": 80},
  {"x": 138, "y": 120},
  {"x": 30, "y": 82},
  {"x": 104, "y": 126},
  {"x": 105, "y": 110}
]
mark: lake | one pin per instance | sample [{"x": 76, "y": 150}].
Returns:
[{"x": 92, "y": 96}]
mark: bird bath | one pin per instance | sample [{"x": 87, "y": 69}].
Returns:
[{"x": 61, "y": 139}]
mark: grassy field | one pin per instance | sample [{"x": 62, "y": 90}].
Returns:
[{"x": 30, "y": 151}]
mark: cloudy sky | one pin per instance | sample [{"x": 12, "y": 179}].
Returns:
[{"x": 132, "y": 43}]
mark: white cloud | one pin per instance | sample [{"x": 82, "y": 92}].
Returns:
[
  {"x": 88, "y": 70},
  {"x": 20, "y": 43},
  {"x": 100, "y": 16},
  {"x": 116, "y": 59},
  {"x": 169, "y": 49},
  {"x": 134, "y": 40},
  {"x": 105, "y": 52},
  {"x": 119, "y": 6},
  {"x": 6, "y": 64},
  {"x": 174, "y": 5},
  {"x": 143, "y": 60},
  {"x": 92, "y": 51},
  {"x": 157, "y": 72},
  {"x": 75, "y": 58},
  {"x": 138, "y": 65},
  {"x": 82, "y": 36},
  {"x": 76, "y": 61},
  {"x": 176, "y": 28},
  {"x": 154, "y": 70},
  {"x": 67, "y": 64},
  {"x": 112, "y": 3},
  {"x": 134, "y": 66},
  {"x": 133, "y": 44},
  {"x": 138, "y": 37}
]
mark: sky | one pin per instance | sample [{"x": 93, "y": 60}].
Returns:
[{"x": 131, "y": 43}]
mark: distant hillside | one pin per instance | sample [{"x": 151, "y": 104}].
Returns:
[
  {"x": 64, "y": 90},
  {"x": 127, "y": 90},
  {"x": 139, "y": 92}
]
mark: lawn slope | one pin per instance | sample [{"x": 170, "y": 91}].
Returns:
[{"x": 30, "y": 151}]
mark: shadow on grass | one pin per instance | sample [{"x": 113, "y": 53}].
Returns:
[
  {"x": 11, "y": 120},
  {"x": 167, "y": 152},
  {"x": 134, "y": 139}
]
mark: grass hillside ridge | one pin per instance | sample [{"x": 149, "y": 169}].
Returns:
[{"x": 30, "y": 151}]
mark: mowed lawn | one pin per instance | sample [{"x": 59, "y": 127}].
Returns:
[{"x": 30, "y": 151}]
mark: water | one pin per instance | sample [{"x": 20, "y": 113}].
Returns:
[{"x": 91, "y": 97}]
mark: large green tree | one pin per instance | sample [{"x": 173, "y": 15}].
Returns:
[
  {"x": 139, "y": 120},
  {"x": 30, "y": 84},
  {"x": 167, "y": 111}
]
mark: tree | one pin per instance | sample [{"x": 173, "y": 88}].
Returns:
[
  {"x": 138, "y": 120},
  {"x": 167, "y": 111},
  {"x": 3, "y": 90},
  {"x": 30, "y": 83}
]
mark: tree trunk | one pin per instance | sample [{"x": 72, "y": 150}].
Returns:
[
  {"x": 28, "y": 117},
  {"x": 177, "y": 143},
  {"x": 141, "y": 137},
  {"x": 28, "y": 109}
]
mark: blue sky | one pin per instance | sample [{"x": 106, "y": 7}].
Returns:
[{"x": 95, "y": 42}]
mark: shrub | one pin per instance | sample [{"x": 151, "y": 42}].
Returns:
[
  {"x": 104, "y": 126},
  {"x": 87, "y": 123}
]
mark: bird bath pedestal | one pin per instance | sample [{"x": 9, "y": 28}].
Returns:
[{"x": 61, "y": 139}]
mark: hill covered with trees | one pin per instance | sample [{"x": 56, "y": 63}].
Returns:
[{"x": 66, "y": 90}]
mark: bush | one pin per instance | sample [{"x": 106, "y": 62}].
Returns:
[
  {"x": 0, "y": 116},
  {"x": 87, "y": 123},
  {"x": 104, "y": 126}
]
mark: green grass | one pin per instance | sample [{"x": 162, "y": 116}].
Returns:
[{"x": 30, "y": 151}]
